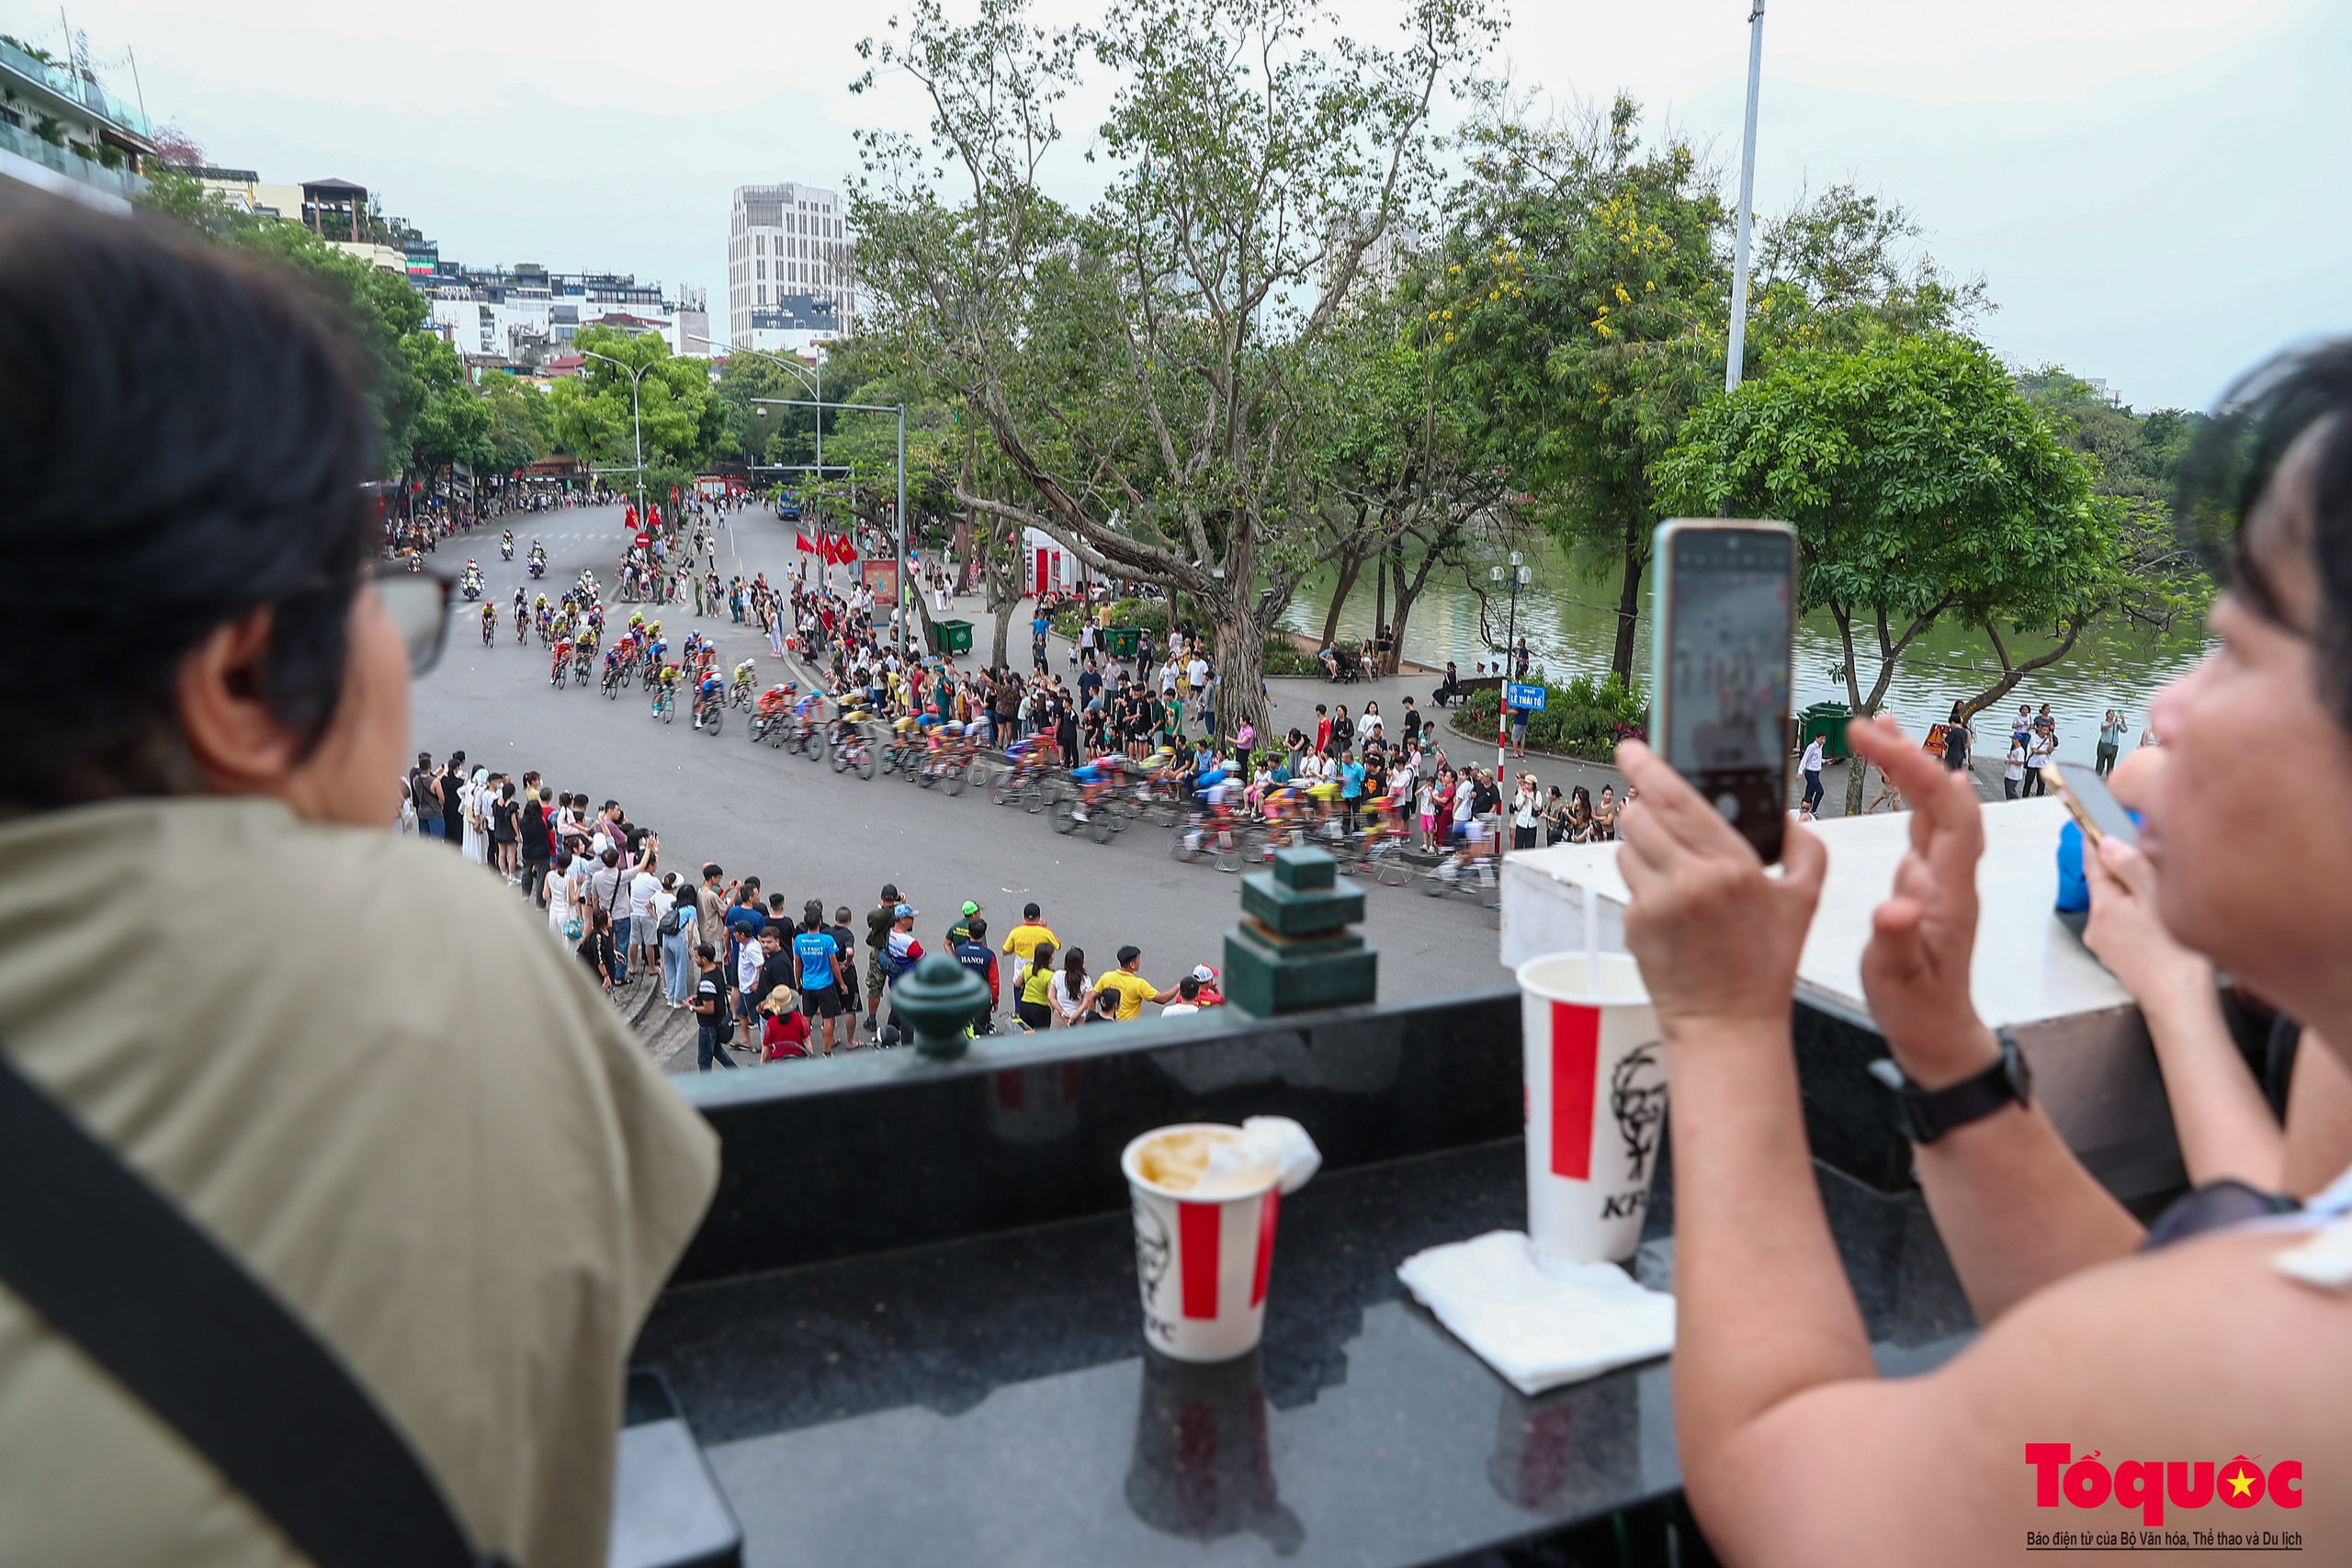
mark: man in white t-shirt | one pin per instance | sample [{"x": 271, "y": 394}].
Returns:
[
  {"x": 1196, "y": 675},
  {"x": 1187, "y": 1001},
  {"x": 645, "y": 943}
]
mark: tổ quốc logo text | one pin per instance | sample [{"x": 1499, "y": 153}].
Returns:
[{"x": 2060, "y": 1480}]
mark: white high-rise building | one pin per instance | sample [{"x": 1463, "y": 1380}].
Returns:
[{"x": 791, "y": 274}]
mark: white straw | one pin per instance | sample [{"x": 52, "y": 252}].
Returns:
[{"x": 1592, "y": 937}]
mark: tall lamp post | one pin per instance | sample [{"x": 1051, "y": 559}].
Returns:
[
  {"x": 1747, "y": 202},
  {"x": 1519, "y": 577},
  {"x": 636, "y": 420},
  {"x": 812, "y": 377},
  {"x": 899, "y": 567}
]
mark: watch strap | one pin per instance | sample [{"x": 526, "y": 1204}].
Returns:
[{"x": 1924, "y": 1115}]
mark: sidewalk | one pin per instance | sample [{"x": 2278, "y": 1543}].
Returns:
[{"x": 1291, "y": 701}]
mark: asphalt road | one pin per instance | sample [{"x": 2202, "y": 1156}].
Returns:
[{"x": 810, "y": 832}]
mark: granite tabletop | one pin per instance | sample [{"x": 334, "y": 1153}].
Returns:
[{"x": 988, "y": 1400}]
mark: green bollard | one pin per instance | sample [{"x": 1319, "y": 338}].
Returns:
[
  {"x": 1293, "y": 950},
  {"x": 940, "y": 1000}
]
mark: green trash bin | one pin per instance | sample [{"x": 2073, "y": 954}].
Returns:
[
  {"x": 1123, "y": 641},
  {"x": 951, "y": 637},
  {"x": 1829, "y": 720}
]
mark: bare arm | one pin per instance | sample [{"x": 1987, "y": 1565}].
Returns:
[
  {"x": 2015, "y": 1209},
  {"x": 1763, "y": 1307},
  {"x": 2224, "y": 1125},
  {"x": 2318, "y": 1119}
]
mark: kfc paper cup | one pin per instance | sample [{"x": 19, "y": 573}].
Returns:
[
  {"x": 1204, "y": 1233},
  {"x": 1596, "y": 1103}
]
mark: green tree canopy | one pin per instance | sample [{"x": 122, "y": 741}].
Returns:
[
  {"x": 1143, "y": 366},
  {"x": 1922, "y": 484},
  {"x": 1584, "y": 296},
  {"x": 633, "y": 385}
]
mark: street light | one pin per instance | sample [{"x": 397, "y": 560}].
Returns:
[
  {"x": 1520, "y": 576},
  {"x": 899, "y": 567},
  {"x": 636, "y": 419},
  {"x": 814, "y": 379},
  {"x": 1746, "y": 203}
]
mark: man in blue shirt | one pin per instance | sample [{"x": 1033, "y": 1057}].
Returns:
[
  {"x": 818, "y": 959},
  {"x": 1350, "y": 786},
  {"x": 975, "y": 955}
]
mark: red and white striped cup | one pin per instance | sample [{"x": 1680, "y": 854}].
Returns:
[
  {"x": 1596, "y": 1102},
  {"x": 1205, "y": 1256}
]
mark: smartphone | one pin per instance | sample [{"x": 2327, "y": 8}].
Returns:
[
  {"x": 2092, "y": 804},
  {"x": 1722, "y": 614}
]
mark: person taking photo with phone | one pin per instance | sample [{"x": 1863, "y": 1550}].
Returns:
[{"x": 2224, "y": 1329}]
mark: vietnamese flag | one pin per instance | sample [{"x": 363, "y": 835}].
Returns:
[
  {"x": 802, "y": 541},
  {"x": 848, "y": 551},
  {"x": 628, "y": 518}
]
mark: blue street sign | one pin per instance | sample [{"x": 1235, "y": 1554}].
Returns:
[{"x": 1516, "y": 695}]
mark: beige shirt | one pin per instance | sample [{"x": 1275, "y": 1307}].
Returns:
[{"x": 357, "y": 1062}]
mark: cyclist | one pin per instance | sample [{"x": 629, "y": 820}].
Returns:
[
  {"x": 489, "y": 623},
  {"x": 1094, "y": 780},
  {"x": 708, "y": 696},
  {"x": 507, "y": 543}
]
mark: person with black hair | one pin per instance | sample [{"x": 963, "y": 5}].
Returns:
[
  {"x": 2224, "y": 1327},
  {"x": 345, "y": 1058}
]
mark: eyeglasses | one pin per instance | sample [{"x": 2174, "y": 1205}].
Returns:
[{"x": 418, "y": 602}]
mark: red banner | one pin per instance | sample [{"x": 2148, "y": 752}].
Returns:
[{"x": 802, "y": 541}]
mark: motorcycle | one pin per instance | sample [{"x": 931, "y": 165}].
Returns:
[
  {"x": 472, "y": 587},
  {"x": 537, "y": 565},
  {"x": 507, "y": 550}
]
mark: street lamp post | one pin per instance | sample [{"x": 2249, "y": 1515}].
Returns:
[
  {"x": 1520, "y": 573},
  {"x": 635, "y": 421},
  {"x": 1746, "y": 203},
  {"x": 899, "y": 567},
  {"x": 814, "y": 378}
]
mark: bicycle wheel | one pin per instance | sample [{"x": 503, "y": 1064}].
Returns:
[
  {"x": 1065, "y": 816},
  {"x": 955, "y": 776},
  {"x": 1119, "y": 813},
  {"x": 1393, "y": 869},
  {"x": 1000, "y": 787},
  {"x": 864, "y": 762},
  {"x": 1033, "y": 796},
  {"x": 1229, "y": 850},
  {"x": 1104, "y": 823},
  {"x": 1185, "y": 843}
]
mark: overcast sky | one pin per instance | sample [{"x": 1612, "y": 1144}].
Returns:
[{"x": 2154, "y": 189}]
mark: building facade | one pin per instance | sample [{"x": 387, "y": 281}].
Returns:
[
  {"x": 61, "y": 129},
  {"x": 526, "y": 317},
  {"x": 791, "y": 273}
]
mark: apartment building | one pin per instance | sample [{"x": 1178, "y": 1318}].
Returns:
[
  {"x": 63, "y": 130},
  {"x": 791, "y": 273}
]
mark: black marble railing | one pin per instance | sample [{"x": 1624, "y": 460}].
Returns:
[{"x": 908, "y": 1331}]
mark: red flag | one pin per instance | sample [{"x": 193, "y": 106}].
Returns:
[
  {"x": 831, "y": 547},
  {"x": 802, "y": 540},
  {"x": 848, "y": 552},
  {"x": 628, "y": 518}
]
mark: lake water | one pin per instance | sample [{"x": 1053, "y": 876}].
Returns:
[{"x": 1570, "y": 621}]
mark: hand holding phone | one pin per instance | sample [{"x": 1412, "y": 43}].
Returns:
[
  {"x": 2091, "y": 803},
  {"x": 1724, "y": 615}
]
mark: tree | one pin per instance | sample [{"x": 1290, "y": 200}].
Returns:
[
  {"x": 518, "y": 434},
  {"x": 384, "y": 315},
  {"x": 1141, "y": 365},
  {"x": 598, "y": 415},
  {"x": 1841, "y": 271},
  {"x": 1921, "y": 484},
  {"x": 2136, "y": 459},
  {"x": 1586, "y": 293},
  {"x": 1405, "y": 476}
]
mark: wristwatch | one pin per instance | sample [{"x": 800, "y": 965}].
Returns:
[{"x": 1924, "y": 1115}]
